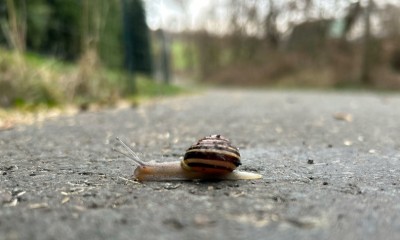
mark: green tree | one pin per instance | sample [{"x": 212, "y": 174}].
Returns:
[
  {"x": 136, "y": 38},
  {"x": 111, "y": 42}
]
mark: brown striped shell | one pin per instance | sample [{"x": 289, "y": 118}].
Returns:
[{"x": 212, "y": 154}]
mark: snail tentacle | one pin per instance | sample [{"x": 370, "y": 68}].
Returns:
[{"x": 133, "y": 155}]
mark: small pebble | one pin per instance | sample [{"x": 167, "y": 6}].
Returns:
[
  {"x": 348, "y": 143},
  {"x": 5, "y": 197},
  {"x": 202, "y": 221},
  {"x": 170, "y": 186}
]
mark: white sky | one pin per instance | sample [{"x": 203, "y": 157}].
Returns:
[
  {"x": 167, "y": 14},
  {"x": 195, "y": 14}
]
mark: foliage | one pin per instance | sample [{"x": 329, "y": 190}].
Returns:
[
  {"x": 320, "y": 50},
  {"x": 65, "y": 29},
  {"x": 86, "y": 34},
  {"x": 28, "y": 81}
]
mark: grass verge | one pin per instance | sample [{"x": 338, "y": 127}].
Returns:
[{"x": 33, "y": 87}]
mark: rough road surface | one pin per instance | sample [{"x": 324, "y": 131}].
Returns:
[{"x": 330, "y": 161}]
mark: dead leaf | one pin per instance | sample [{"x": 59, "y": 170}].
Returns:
[{"x": 342, "y": 116}]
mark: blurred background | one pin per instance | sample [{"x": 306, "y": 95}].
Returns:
[{"x": 57, "y": 52}]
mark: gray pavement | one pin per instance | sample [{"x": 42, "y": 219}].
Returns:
[{"x": 326, "y": 175}]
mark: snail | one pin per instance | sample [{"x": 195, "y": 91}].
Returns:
[{"x": 211, "y": 158}]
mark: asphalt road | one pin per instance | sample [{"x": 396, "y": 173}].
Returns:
[{"x": 330, "y": 164}]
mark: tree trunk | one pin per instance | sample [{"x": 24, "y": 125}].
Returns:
[{"x": 365, "y": 76}]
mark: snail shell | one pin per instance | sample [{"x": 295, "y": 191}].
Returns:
[{"x": 212, "y": 155}]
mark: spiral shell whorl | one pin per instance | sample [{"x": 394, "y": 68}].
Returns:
[{"x": 212, "y": 154}]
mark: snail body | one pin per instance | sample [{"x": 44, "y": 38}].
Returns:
[
  {"x": 211, "y": 158},
  {"x": 172, "y": 171}
]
